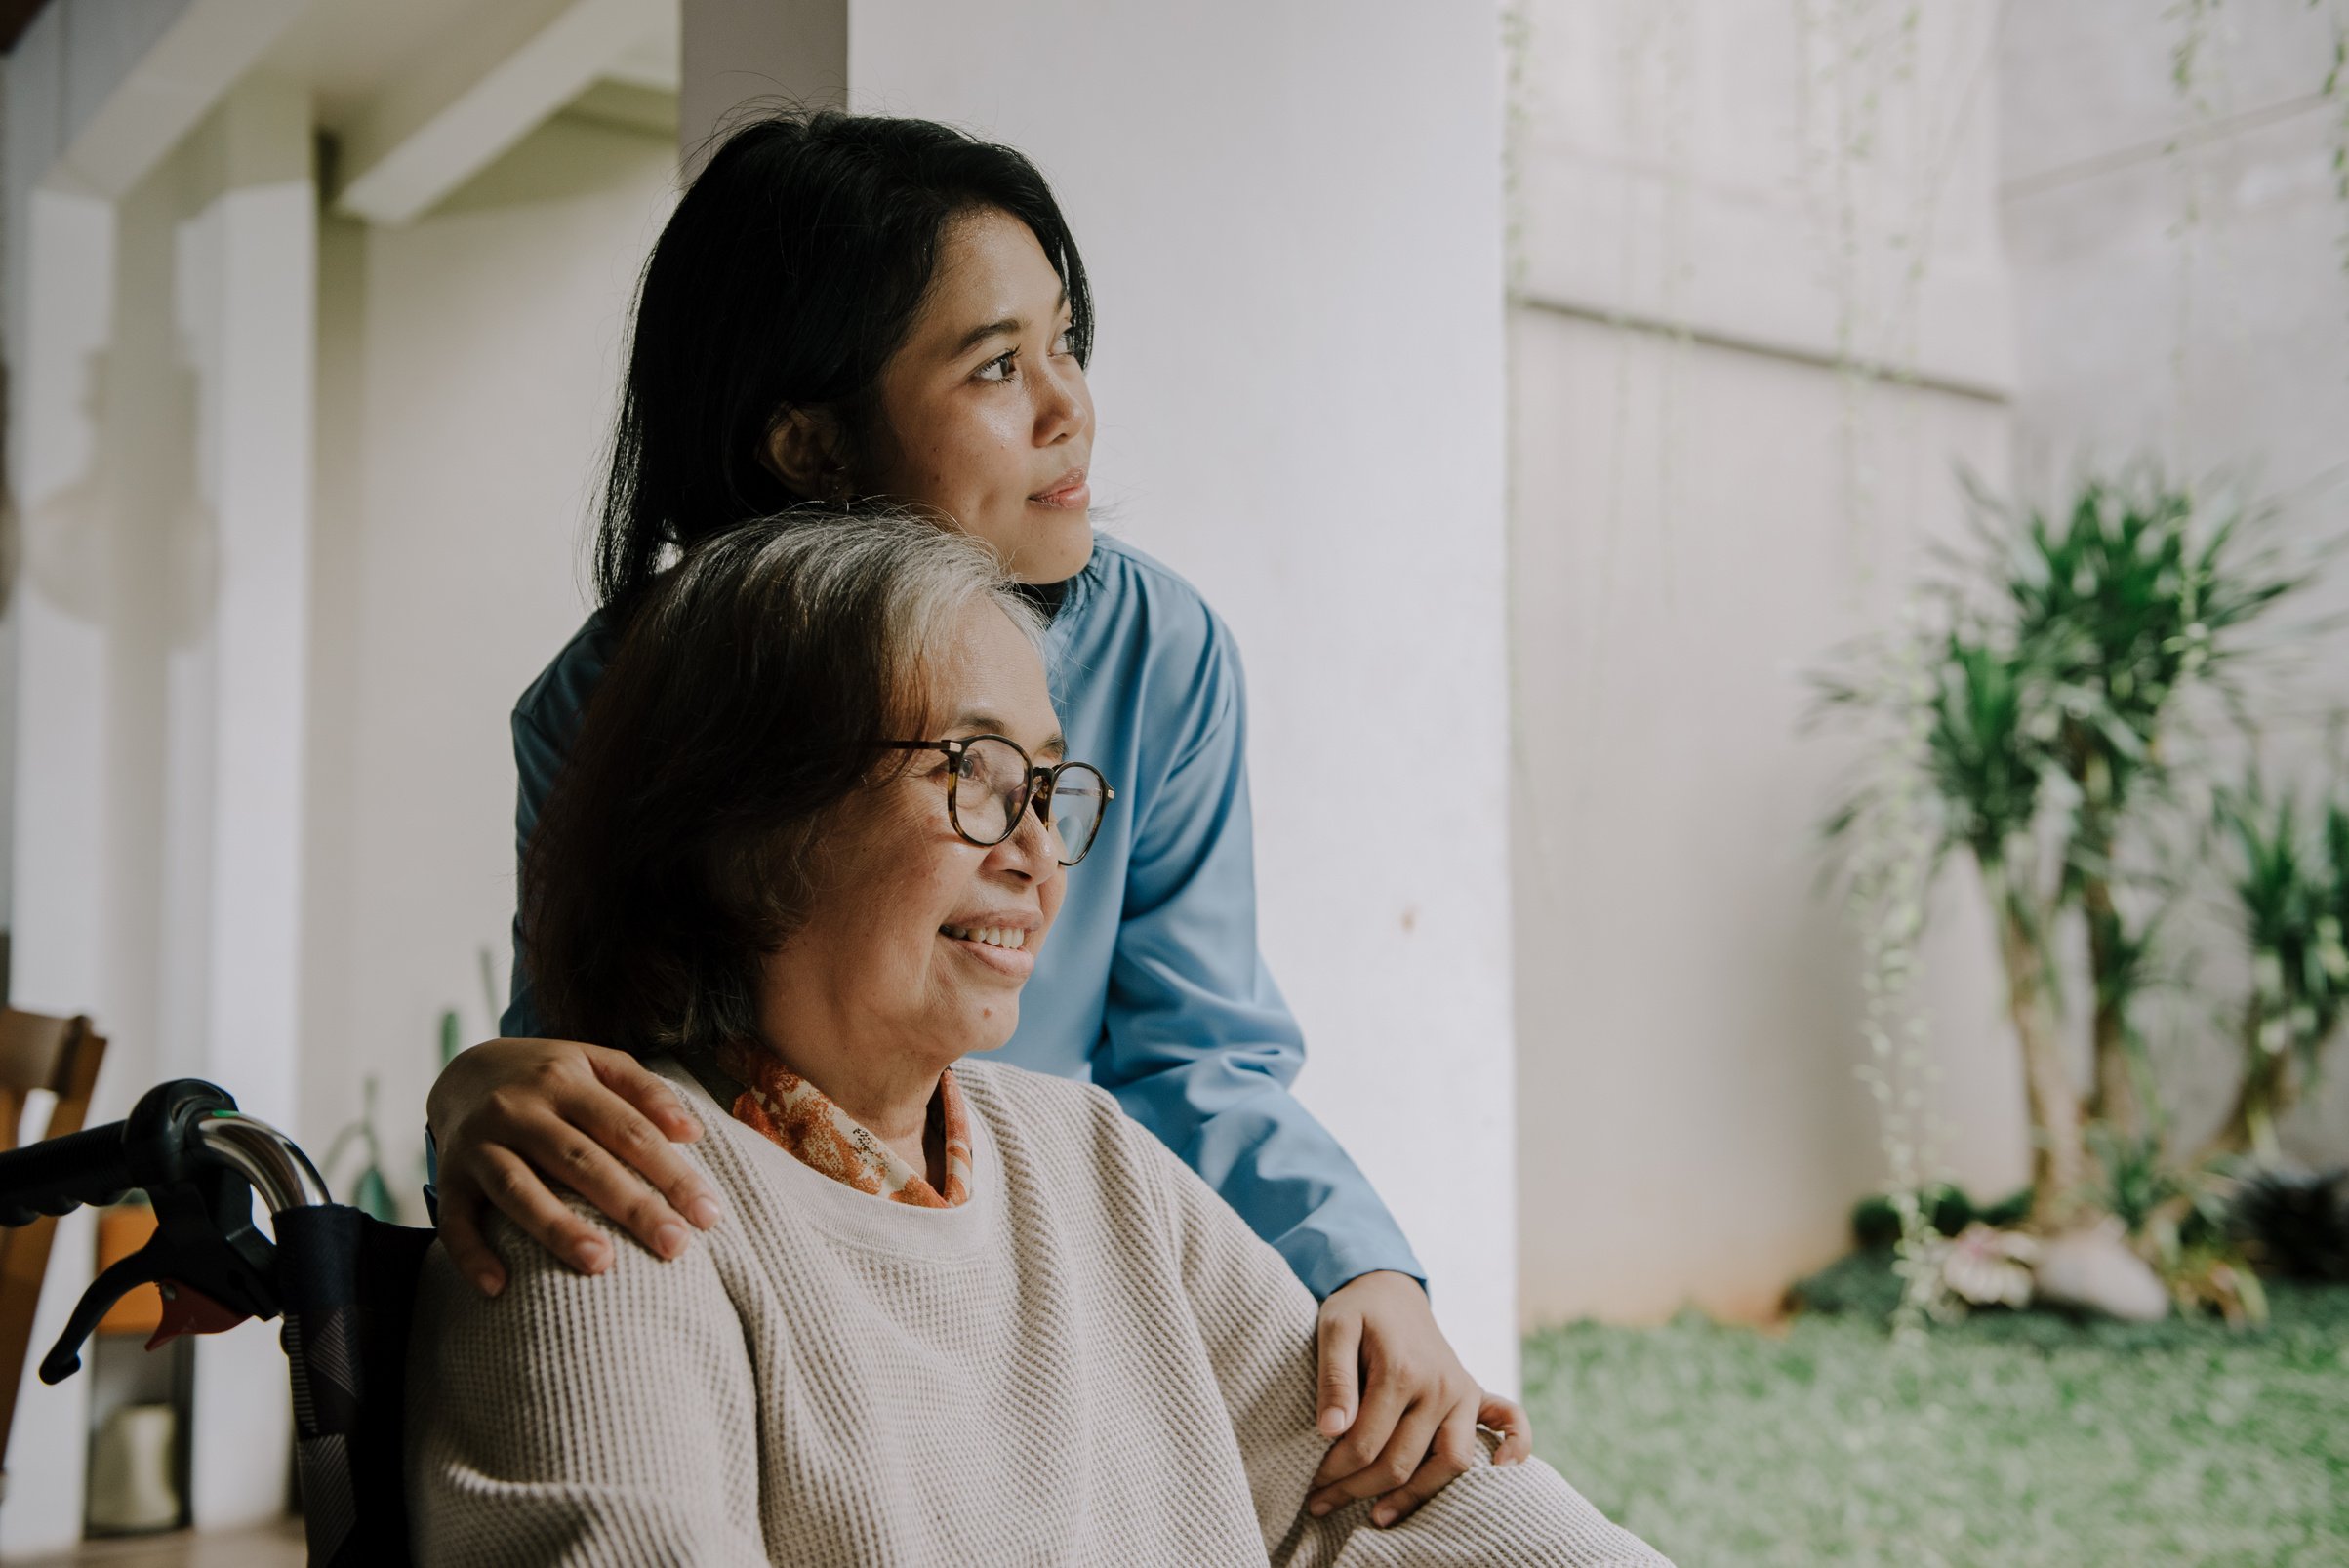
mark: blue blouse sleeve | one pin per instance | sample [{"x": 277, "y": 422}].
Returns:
[
  {"x": 535, "y": 762},
  {"x": 1200, "y": 1046}
]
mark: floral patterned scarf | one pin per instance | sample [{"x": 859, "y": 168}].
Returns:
[{"x": 802, "y": 1121}]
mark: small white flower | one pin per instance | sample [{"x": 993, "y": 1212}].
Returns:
[{"x": 1990, "y": 1268}]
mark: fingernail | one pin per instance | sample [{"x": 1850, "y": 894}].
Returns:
[
  {"x": 1319, "y": 1510},
  {"x": 589, "y": 1254},
  {"x": 1381, "y": 1517},
  {"x": 1333, "y": 1421},
  {"x": 702, "y": 1211},
  {"x": 487, "y": 1284},
  {"x": 670, "y": 1239}
]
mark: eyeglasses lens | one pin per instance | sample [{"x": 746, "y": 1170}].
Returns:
[
  {"x": 991, "y": 790},
  {"x": 1078, "y": 796}
]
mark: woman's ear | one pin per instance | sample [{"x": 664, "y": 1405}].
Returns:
[{"x": 804, "y": 452}]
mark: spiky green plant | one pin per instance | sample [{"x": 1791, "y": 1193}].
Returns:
[
  {"x": 2292, "y": 891},
  {"x": 2124, "y": 601},
  {"x": 2055, "y": 676}
]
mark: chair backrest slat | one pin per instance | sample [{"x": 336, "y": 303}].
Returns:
[{"x": 60, "y": 1055}]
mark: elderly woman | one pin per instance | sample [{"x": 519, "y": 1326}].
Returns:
[{"x": 814, "y": 832}]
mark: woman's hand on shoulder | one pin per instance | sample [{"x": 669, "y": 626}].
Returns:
[
  {"x": 510, "y": 1113},
  {"x": 1403, "y": 1410}
]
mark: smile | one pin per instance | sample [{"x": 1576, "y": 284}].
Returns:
[
  {"x": 1008, "y": 937},
  {"x": 1002, "y": 951}
]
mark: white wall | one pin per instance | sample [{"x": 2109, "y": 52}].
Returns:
[
  {"x": 1291, "y": 218},
  {"x": 1713, "y": 209},
  {"x": 471, "y": 362}
]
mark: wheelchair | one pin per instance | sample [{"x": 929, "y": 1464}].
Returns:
[{"x": 343, "y": 1282}]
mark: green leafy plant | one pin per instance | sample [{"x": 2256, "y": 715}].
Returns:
[
  {"x": 369, "y": 1192},
  {"x": 2053, "y": 673},
  {"x": 2292, "y": 889}
]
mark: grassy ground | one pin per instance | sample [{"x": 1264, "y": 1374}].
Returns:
[{"x": 2009, "y": 1441}]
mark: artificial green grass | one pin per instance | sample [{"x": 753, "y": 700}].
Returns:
[{"x": 2006, "y": 1441}]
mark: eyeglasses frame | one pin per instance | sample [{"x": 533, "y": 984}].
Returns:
[{"x": 1038, "y": 801}]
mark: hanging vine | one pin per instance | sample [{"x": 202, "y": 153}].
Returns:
[
  {"x": 1892, "y": 837},
  {"x": 1879, "y": 143}
]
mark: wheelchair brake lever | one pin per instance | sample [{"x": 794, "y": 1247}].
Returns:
[
  {"x": 186, "y": 1308},
  {"x": 213, "y": 1268},
  {"x": 188, "y": 1311}
]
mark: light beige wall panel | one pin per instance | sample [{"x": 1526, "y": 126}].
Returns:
[
  {"x": 1816, "y": 178},
  {"x": 1690, "y": 1126}
]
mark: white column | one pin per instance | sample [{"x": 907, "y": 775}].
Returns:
[
  {"x": 59, "y": 315},
  {"x": 246, "y": 285}
]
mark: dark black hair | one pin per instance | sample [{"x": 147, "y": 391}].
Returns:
[
  {"x": 788, "y": 275},
  {"x": 751, "y": 693}
]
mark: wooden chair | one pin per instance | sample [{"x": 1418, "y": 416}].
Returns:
[{"x": 59, "y": 1055}]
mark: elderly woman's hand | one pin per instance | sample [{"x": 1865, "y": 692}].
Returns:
[
  {"x": 1419, "y": 1410},
  {"x": 507, "y": 1115}
]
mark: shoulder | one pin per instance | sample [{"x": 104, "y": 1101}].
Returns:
[
  {"x": 551, "y": 705},
  {"x": 1133, "y": 588},
  {"x": 1003, "y": 1093},
  {"x": 1041, "y": 1118},
  {"x": 550, "y": 1321},
  {"x": 1154, "y": 639}
]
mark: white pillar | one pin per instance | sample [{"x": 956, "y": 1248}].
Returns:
[
  {"x": 60, "y": 320},
  {"x": 247, "y": 286}
]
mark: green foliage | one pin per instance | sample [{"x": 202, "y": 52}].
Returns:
[
  {"x": 1876, "y": 1222},
  {"x": 1985, "y": 763},
  {"x": 2122, "y": 605},
  {"x": 2051, "y": 683},
  {"x": 2294, "y": 895},
  {"x": 2021, "y": 1439},
  {"x": 369, "y": 1192},
  {"x": 2137, "y": 1180},
  {"x": 2292, "y": 889}
]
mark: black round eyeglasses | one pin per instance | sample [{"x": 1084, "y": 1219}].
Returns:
[{"x": 995, "y": 783}]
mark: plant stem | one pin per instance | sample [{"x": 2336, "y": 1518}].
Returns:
[
  {"x": 2114, "y": 1098},
  {"x": 2265, "y": 1097},
  {"x": 2058, "y": 1146}
]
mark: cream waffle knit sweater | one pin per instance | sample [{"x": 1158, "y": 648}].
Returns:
[{"x": 1092, "y": 1361}]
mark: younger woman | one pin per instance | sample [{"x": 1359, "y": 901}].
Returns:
[{"x": 848, "y": 308}]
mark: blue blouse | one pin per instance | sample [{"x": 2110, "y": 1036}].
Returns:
[{"x": 1151, "y": 985}]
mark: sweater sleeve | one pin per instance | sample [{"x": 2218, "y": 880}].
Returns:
[
  {"x": 1199, "y": 1044},
  {"x": 1257, "y": 1327},
  {"x": 581, "y": 1421}
]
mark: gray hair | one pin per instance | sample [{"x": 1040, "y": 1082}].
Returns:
[{"x": 755, "y": 688}]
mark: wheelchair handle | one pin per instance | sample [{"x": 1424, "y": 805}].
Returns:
[
  {"x": 200, "y": 1161},
  {"x": 62, "y": 1174},
  {"x": 272, "y": 1163}
]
